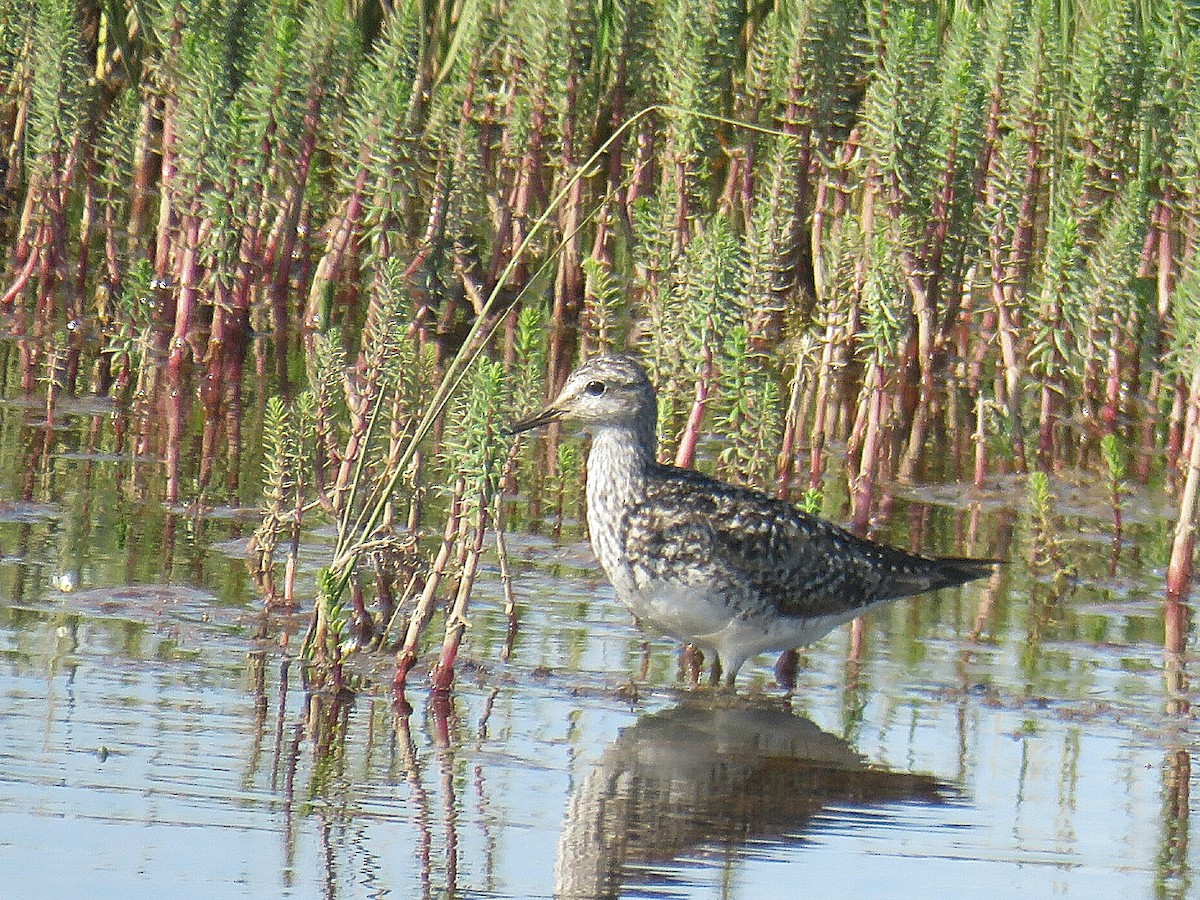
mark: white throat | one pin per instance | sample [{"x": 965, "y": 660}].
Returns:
[{"x": 616, "y": 481}]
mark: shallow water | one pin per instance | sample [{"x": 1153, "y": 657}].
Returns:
[{"x": 1012, "y": 738}]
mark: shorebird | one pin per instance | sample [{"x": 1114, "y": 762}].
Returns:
[{"x": 725, "y": 568}]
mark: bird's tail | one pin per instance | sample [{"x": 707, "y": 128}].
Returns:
[{"x": 949, "y": 571}]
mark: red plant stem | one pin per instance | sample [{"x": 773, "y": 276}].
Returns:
[
  {"x": 520, "y": 200},
  {"x": 1048, "y": 421},
  {"x": 1112, "y": 387},
  {"x": 863, "y": 488},
  {"x": 1010, "y": 269},
  {"x": 938, "y": 228},
  {"x": 1163, "y": 251},
  {"x": 174, "y": 435},
  {"x": 208, "y": 442},
  {"x": 51, "y": 254},
  {"x": 280, "y": 264},
  {"x": 1175, "y": 427},
  {"x": 1052, "y": 392},
  {"x": 686, "y": 455},
  {"x": 433, "y": 224},
  {"x": 735, "y": 176},
  {"x": 87, "y": 220},
  {"x": 27, "y": 224},
  {"x": 916, "y": 367},
  {"x": 1116, "y": 530},
  {"x": 166, "y": 185},
  {"x": 293, "y": 557},
  {"x": 798, "y": 119},
  {"x": 406, "y": 659},
  {"x": 342, "y": 229},
  {"x": 144, "y": 159},
  {"x": 112, "y": 261},
  {"x": 1175, "y": 620},
  {"x": 16, "y": 146},
  {"x": 456, "y": 624},
  {"x": 234, "y": 368},
  {"x": 816, "y": 456},
  {"x": 442, "y": 716},
  {"x": 22, "y": 280},
  {"x": 1007, "y": 328},
  {"x": 568, "y": 282},
  {"x": 641, "y": 168},
  {"x": 1147, "y": 451},
  {"x": 506, "y": 582},
  {"x": 364, "y": 627},
  {"x": 438, "y": 199},
  {"x": 616, "y": 118},
  {"x": 858, "y": 428},
  {"x": 176, "y": 358},
  {"x": 1179, "y": 571},
  {"x": 785, "y": 462}
]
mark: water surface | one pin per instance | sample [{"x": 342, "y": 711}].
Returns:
[{"x": 1017, "y": 737}]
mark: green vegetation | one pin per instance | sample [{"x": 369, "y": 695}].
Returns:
[{"x": 887, "y": 227}]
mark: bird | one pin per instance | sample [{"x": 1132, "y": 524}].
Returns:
[{"x": 728, "y": 569}]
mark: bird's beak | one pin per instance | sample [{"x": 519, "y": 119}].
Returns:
[{"x": 537, "y": 420}]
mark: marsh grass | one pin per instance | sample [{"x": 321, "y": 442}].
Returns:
[{"x": 900, "y": 241}]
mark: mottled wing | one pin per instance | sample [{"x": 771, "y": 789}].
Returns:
[{"x": 769, "y": 551}]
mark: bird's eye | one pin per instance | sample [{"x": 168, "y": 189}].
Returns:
[{"x": 594, "y": 388}]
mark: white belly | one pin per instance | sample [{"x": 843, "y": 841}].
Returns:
[
  {"x": 692, "y": 614},
  {"x": 683, "y": 611}
]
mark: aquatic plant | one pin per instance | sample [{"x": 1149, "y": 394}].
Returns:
[
  {"x": 279, "y": 461},
  {"x": 1046, "y": 549},
  {"x": 473, "y": 459},
  {"x": 1114, "y": 459},
  {"x": 566, "y": 479},
  {"x": 1187, "y": 364},
  {"x": 847, "y": 236}
]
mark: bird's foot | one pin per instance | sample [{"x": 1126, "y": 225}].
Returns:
[
  {"x": 691, "y": 664},
  {"x": 785, "y": 669}
]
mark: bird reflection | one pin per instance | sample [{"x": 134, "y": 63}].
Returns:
[{"x": 716, "y": 775}]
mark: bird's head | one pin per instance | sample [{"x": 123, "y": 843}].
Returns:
[{"x": 610, "y": 391}]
